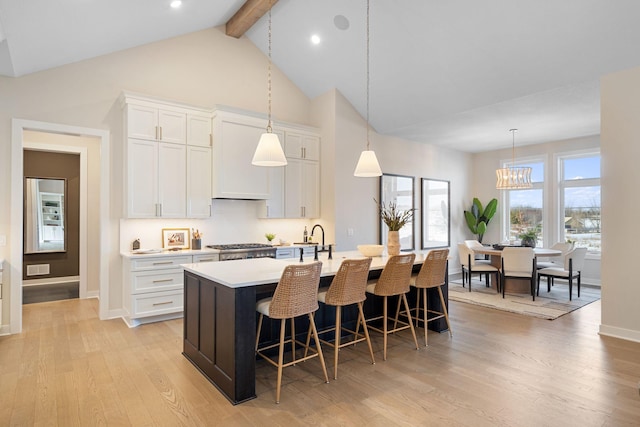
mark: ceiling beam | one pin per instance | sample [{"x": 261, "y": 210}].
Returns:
[{"x": 247, "y": 15}]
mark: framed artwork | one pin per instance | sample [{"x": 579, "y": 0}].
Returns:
[
  {"x": 436, "y": 232},
  {"x": 175, "y": 238},
  {"x": 398, "y": 189}
]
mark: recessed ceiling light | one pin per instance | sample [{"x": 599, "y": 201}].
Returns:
[
  {"x": 176, "y": 4},
  {"x": 315, "y": 39}
]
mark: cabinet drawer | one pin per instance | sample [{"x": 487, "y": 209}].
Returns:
[
  {"x": 151, "y": 281},
  {"x": 159, "y": 263},
  {"x": 206, "y": 258},
  {"x": 156, "y": 303},
  {"x": 285, "y": 253}
]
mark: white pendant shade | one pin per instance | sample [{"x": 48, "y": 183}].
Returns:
[
  {"x": 269, "y": 151},
  {"x": 368, "y": 165}
]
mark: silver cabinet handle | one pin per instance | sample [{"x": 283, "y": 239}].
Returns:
[
  {"x": 206, "y": 260},
  {"x": 162, "y": 262},
  {"x": 162, "y": 303},
  {"x": 160, "y": 133},
  {"x": 163, "y": 280}
]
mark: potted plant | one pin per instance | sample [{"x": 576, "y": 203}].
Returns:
[
  {"x": 394, "y": 219},
  {"x": 529, "y": 237},
  {"x": 478, "y": 218},
  {"x": 270, "y": 236}
]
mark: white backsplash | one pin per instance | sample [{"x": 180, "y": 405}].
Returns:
[{"x": 233, "y": 221}]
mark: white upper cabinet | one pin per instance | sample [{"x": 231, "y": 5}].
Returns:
[
  {"x": 199, "y": 130},
  {"x": 235, "y": 138},
  {"x": 167, "y": 156},
  {"x": 302, "y": 146},
  {"x": 302, "y": 175},
  {"x": 156, "y": 124}
]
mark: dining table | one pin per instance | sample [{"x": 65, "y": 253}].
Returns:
[{"x": 514, "y": 286}]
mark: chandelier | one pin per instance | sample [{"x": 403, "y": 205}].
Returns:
[{"x": 513, "y": 178}]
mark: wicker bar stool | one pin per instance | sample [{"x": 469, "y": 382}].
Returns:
[
  {"x": 394, "y": 280},
  {"x": 347, "y": 288},
  {"x": 296, "y": 295},
  {"x": 432, "y": 275}
]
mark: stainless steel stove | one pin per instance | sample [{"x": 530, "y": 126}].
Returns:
[{"x": 244, "y": 251}]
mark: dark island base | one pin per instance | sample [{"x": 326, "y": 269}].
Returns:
[{"x": 220, "y": 329}]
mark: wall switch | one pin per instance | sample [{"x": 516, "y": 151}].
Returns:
[
  {"x": 350, "y": 232},
  {"x": 3, "y": 240}
]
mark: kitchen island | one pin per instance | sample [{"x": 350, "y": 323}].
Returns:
[{"x": 220, "y": 315}]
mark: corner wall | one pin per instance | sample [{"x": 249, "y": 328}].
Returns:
[{"x": 620, "y": 133}]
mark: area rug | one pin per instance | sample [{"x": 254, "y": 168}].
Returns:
[{"x": 549, "y": 305}]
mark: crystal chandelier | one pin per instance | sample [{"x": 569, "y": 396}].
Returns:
[{"x": 512, "y": 178}]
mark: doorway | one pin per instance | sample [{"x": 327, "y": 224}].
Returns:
[{"x": 98, "y": 234}]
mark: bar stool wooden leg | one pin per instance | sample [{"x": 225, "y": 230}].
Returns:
[
  {"x": 293, "y": 340},
  {"x": 413, "y": 331},
  {"x": 319, "y": 349},
  {"x": 366, "y": 332},
  {"x": 384, "y": 328},
  {"x": 336, "y": 342},
  {"x": 283, "y": 324},
  {"x": 445, "y": 311},
  {"x": 259, "y": 329},
  {"x": 424, "y": 310}
]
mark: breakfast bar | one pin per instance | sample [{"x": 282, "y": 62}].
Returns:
[{"x": 220, "y": 315}]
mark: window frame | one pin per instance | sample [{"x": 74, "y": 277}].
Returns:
[{"x": 563, "y": 184}]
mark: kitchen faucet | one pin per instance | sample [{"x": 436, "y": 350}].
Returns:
[{"x": 321, "y": 229}]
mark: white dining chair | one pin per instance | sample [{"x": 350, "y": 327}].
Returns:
[
  {"x": 572, "y": 268},
  {"x": 556, "y": 261},
  {"x": 519, "y": 263},
  {"x": 470, "y": 266}
]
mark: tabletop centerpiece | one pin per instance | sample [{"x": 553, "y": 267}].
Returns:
[{"x": 394, "y": 219}]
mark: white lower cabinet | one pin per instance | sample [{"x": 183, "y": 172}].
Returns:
[{"x": 153, "y": 288}]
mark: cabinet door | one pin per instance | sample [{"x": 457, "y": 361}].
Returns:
[
  {"x": 173, "y": 126},
  {"x": 142, "y": 122},
  {"x": 198, "y": 182},
  {"x": 293, "y": 145},
  {"x": 142, "y": 178},
  {"x": 233, "y": 174},
  {"x": 311, "y": 189},
  {"x": 198, "y": 130},
  {"x": 311, "y": 147},
  {"x": 172, "y": 181},
  {"x": 293, "y": 189}
]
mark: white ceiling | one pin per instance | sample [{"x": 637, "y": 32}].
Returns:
[{"x": 456, "y": 73}]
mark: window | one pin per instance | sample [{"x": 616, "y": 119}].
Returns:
[
  {"x": 525, "y": 207},
  {"x": 580, "y": 200}
]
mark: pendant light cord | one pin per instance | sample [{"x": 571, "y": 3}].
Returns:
[
  {"x": 513, "y": 146},
  {"x": 368, "y": 75},
  {"x": 269, "y": 128}
]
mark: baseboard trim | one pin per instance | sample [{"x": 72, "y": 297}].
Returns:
[
  {"x": 621, "y": 333},
  {"x": 50, "y": 281}
]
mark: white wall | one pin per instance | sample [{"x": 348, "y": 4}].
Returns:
[{"x": 620, "y": 133}]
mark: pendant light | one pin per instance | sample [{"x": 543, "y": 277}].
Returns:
[
  {"x": 269, "y": 151},
  {"x": 368, "y": 165},
  {"x": 513, "y": 178}
]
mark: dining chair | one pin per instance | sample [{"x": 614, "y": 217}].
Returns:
[
  {"x": 296, "y": 294},
  {"x": 432, "y": 274},
  {"x": 556, "y": 261},
  {"x": 479, "y": 259},
  {"x": 470, "y": 266},
  {"x": 572, "y": 268},
  {"x": 519, "y": 263},
  {"x": 393, "y": 281},
  {"x": 348, "y": 287}
]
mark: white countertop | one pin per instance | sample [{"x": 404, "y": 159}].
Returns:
[
  {"x": 259, "y": 271},
  {"x": 161, "y": 253}
]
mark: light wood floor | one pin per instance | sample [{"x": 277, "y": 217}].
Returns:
[{"x": 69, "y": 369}]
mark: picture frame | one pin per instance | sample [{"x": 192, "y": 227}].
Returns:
[
  {"x": 175, "y": 238},
  {"x": 436, "y": 214},
  {"x": 398, "y": 189}
]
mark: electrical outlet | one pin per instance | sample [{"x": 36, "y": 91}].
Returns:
[
  {"x": 350, "y": 232},
  {"x": 3, "y": 240}
]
